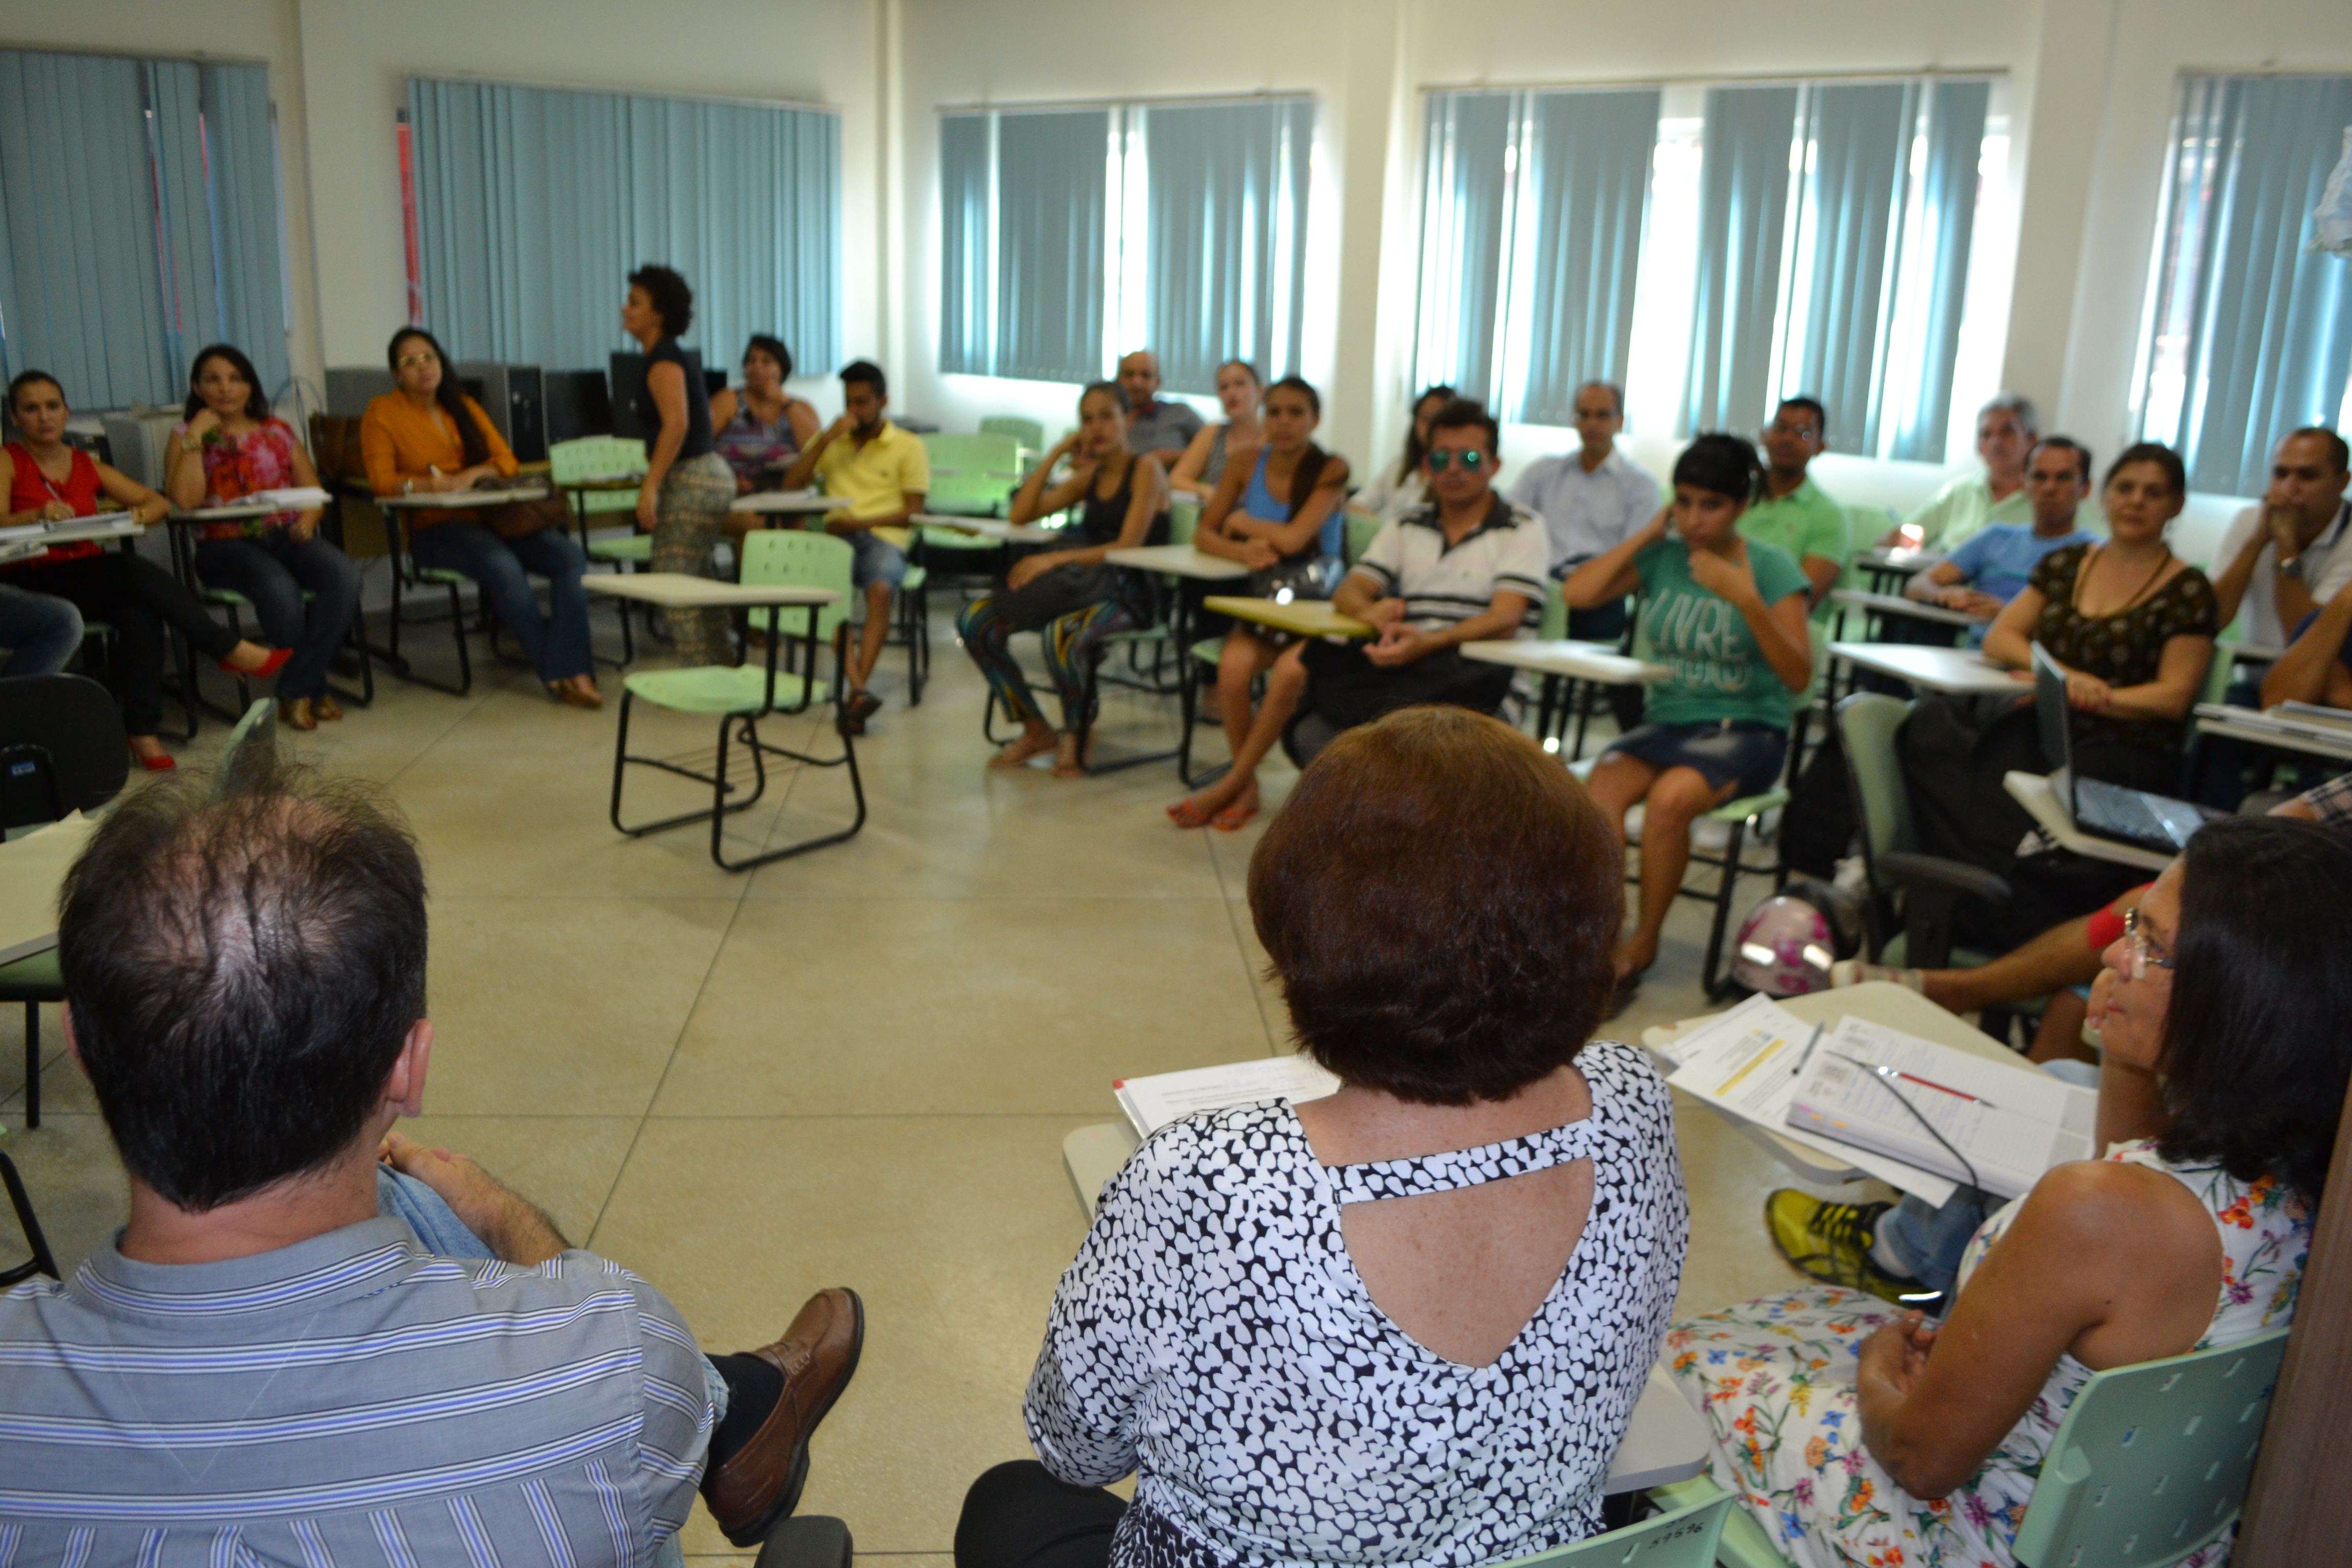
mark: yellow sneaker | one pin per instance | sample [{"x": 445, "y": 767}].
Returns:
[{"x": 1831, "y": 1242}]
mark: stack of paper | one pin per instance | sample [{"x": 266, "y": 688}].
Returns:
[
  {"x": 1993, "y": 1125},
  {"x": 1746, "y": 1063},
  {"x": 1151, "y": 1103}
]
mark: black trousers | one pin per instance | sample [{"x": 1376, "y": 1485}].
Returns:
[
  {"x": 139, "y": 599},
  {"x": 1349, "y": 689},
  {"x": 1018, "y": 1515}
]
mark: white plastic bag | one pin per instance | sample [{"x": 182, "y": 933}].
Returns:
[{"x": 2333, "y": 216}]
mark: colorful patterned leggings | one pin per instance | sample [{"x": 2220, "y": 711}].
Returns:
[{"x": 1069, "y": 647}]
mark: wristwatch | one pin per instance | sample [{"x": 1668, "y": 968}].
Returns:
[{"x": 2292, "y": 567}]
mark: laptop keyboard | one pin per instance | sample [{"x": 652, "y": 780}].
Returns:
[{"x": 2134, "y": 817}]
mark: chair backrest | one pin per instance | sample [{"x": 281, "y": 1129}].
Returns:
[
  {"x": 595, "y": 458},
  {"x": 335, "y": 449},
  {"x": 1183, "y": 521},
  {"x": 253, "y": 743},
  {"x": 784, "y": 555},
  {"x": 1554, "y": 610},
  {"x": 1362, "y": 528},
  {"x": 971, "y": 474},
  {"x": 61, "y": 748},
  {"x": 1867, "y": 723},
  {"x": 1024, "y": 432},
  {"x": 1682, "y": 1538},
  {"x": 2153, "y": 1460}
]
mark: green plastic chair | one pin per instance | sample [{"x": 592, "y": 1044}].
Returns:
[
  {"x": 972, "y": 476},
  {"x": 1742, "y": 815},
  {"x": 1029, "y": 433},
  {"x": 2151, "y": 1464},
  {"x": 1362, "y": 528},
  {"x": 740, "y": 696},
  {"x": 1684, "y": 1536}
]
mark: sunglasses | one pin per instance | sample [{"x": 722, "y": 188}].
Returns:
[{"x": 1472, "y": 460}]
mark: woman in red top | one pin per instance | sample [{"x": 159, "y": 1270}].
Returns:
[
  {"x": 231, "y": 447},
  {"x": 50, "y": 482}
]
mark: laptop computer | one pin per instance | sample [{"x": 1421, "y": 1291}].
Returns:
[{"x": 2136, "y": 816}]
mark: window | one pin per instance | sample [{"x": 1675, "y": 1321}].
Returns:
[
  {"x": 2248, "y": 333},
  {"x": 140, "y": 220},
  {"x": 534, "y": 204},
  {"x": 1070, "y": 235},
  {"x": 1713, "y": 250}
]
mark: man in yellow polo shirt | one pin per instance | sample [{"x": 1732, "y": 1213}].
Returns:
[
  {"x": 1793, "y": 513},
  {"x": 881, "y": 473}
]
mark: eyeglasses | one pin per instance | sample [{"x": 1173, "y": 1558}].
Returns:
[
  {"x": 1471, "y": 458},
  {"x": 2145, "y": 953},
  {"x": 410, "y": 361}
]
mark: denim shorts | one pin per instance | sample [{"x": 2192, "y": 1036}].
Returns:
[
  {"x": 1740, "y": 750},
  {"x": 874, "y": 559}
]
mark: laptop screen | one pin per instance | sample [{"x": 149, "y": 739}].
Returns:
[{"x": 2050, "y": 711}]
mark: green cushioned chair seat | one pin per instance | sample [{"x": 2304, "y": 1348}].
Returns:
[
  {"x": 1210, "y": 650},
  {"x": 716, "y": 689},
  {"x": 34, "y": 979},
  {"x": 915, "y": 577},
  {"x": 637, "y": 547},
  {"x": 440, "y": 574},
  {"x": 1748, "y": 805},
  {"x": 226, "y": 596}
]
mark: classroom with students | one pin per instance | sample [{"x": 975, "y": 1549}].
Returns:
[{"x": 1001, "y": 785}]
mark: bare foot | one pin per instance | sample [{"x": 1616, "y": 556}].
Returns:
[
  {"x": 1198, "y": 808},
  {"x": 1635, "y": 955},
  {"x": 146, "y": 748},
  {"x": 248, "y": 658},
  {"x": 1067, "y": 763},
  {"x": 1031, "y": 744},
  {"x": 1237, "y": 814}
]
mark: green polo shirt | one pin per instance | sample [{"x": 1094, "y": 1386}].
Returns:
[
  {"x": 1964, "y": 508},
  {"x": 1803, "y": 523}
]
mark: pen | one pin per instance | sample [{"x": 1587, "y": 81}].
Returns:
[
  {"x": 1883, "y": 1071},
  {"x": 1807, "y": 1054}
]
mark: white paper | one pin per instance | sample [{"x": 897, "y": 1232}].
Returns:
[
  {"x": 293, "y": 497},
  {"x": 1152, "y": 1102}
]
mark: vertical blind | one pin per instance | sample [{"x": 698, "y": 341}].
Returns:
[
  {"x": 139, "y": 221},
  {"x": 2250, "y": 330},
  {"x": 1531, "y": 243},
  {"x": 1065, "y": 233},
  {"x": 1743, "y": 222},
  {"x": 534, "y": 204}
]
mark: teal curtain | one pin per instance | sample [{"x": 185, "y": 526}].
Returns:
[
  {"x": 1590, "y": 186},
  {"x": 1465, "y": 179},
  {"x": 1917, "y": 424},
  {"x": 1052, "y": 190},
  {"x": 1743, "y": 215},
  {"x": 1860, "y": 140},
  {"x": 1225, "y": 238},
  {"x": 967, "y": 346},
  {"x": 216, "y": 193},
  {"x": 534, "y": 204},
  {"x": 2251, "y": 328}
]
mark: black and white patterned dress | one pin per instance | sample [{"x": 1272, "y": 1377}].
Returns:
[{"x": 1214, "y": 1337}]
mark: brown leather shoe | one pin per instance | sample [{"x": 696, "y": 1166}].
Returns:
[{"x": 761, "y": 1482}]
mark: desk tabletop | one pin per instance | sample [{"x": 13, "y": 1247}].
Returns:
[
  {"x": 28, "y": 540},
  {"x": 786, "y": 502},
  {"x": 602, "y": 482},
  {"x": 676, "y": 589},
  {"x": 1898, "y": 560},
  {"x": 1963, "y": 672},
  {"x": 1301, "y": 617},
  {"x": 32, "y": 868},
  {"x": 1181, "y": 561},
  {"x": 453, "y": 500},
  {"x": 2311, "y": 737},
  {"x": 1896, "y": 604},
  {"x": 1564, "y": 656},
  {"x": 2033, "y": 792},
  {"x": 300, "y": 498},
  {"x": 995, "y": 528}
]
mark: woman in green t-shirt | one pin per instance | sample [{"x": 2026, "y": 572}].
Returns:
[{"x": 1728, "y": 617}]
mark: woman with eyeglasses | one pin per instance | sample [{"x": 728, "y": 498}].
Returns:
[
  {"x": 1271, "y": 516},
  {"x": 1727, "y": 614},
  {"x": 1856, "y": 1435},
  {"x": 429, "y": 436}
]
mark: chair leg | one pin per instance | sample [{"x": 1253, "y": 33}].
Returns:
[
  {"x": 32, "y": 1064},
  {"x": 458, "y": 630},
  {"x": 42, "y": 1262},
  {"x": 1724, "y": 890}
]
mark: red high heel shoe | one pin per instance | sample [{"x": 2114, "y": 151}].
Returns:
[{"x": 271, "y": 666}]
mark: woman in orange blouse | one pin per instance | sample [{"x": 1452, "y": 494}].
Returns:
[{"x": 428, "y": 436}]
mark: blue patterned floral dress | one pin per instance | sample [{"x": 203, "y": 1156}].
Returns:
[{"x": 1775, "y": 1380}]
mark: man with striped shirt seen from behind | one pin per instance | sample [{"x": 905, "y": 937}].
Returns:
[{"x": 266, "y": 1363}]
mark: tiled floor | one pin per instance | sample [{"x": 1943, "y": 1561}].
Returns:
[{"x": 855, "y": 1068}]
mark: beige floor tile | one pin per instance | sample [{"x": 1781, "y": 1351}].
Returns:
[
  {"x": 567, "y": 1164},
  {"x": 890, "y": 1006},
  {"x": 1731, "y": 1256},
  {"x": 563, "y": 1006},
  {"x": 953, "y": 1230},
  {"x": 75, "y": 1181}
]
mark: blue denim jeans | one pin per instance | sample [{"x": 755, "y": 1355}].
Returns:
[
  {"x": 273, "y": 571},
  {"x": 442, "y": 1233},
  {"x": 556, "y": 644},
  {"x": 38, "y": 632}
]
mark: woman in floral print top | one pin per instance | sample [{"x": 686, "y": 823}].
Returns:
[{"x": 1854, "y": 1436}]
